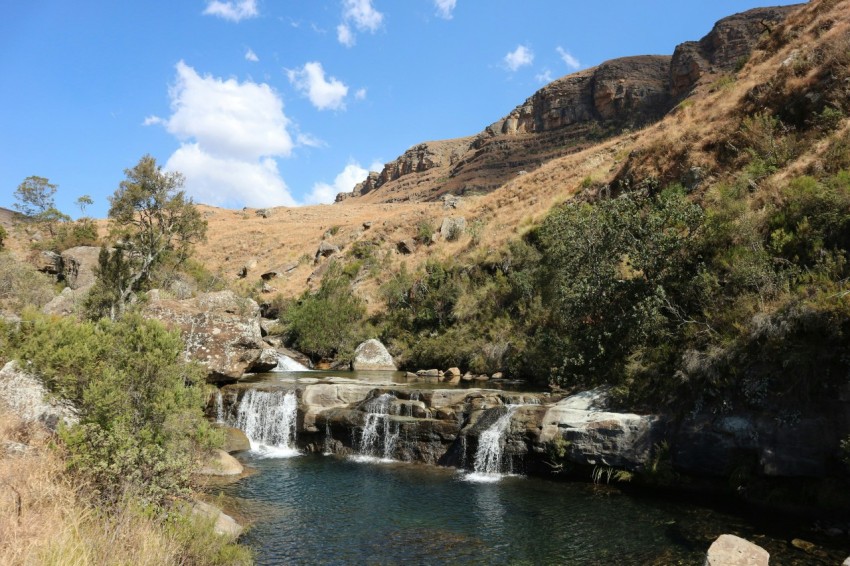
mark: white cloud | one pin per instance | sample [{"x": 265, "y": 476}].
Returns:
[
  {"x": 520, "y": 57},
  {"x": 324, "y": 94},
  {"x": 362, "y": 15},
  {"x": 251, "y": 56},
  {"x": 310, "y": 140},
  {"x": 360, "y": 94},
  {"x": 344, "y": 35},
  {"x": 545, "y": 77},
  {"x": 232, "y": 10},
  {"x": 153, "y": 120},
  {"x": 571, "y": 62},
  {"x": 445, "y": 8},
  {"x": 231, "y": 182},
  {"x": 343, "y": 183},
  {"x": 230, "y": 135}
]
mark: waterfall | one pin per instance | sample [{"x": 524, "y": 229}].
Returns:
[
  {"x": 491, "y": 445},
  {"x": 268, "y": 420},
  {"x": 219, "y": 407},
  {"x": 380, "y": 433},
  {"x": 328, "y": 448},
  {"x": 285, "y": 363}
]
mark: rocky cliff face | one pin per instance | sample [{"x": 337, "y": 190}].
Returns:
[{"x": 567, "y": 115}]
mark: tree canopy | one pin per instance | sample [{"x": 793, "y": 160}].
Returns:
[{"x": 152, "y": 222}]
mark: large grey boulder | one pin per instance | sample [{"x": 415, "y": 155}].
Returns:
[
  {"x": 372, "y": 355},
  {"x": 221, "y": 331},
  {"x": 26, "y": 396},
  {"x": 78, "y": 265},
  {"x": 597, "y": 436},
  {"x": 729, "y": 550}
]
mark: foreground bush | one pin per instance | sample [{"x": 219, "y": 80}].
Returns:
[{"x": 142, "y": 430}]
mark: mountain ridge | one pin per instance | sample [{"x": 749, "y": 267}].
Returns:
[{"x": 568, "y": 115}]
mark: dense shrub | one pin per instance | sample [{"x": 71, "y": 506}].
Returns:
[
  {"x": 328, "y": 323},
  {"x": 141, "y": 429},
  {"x": 21, "y": 285}
]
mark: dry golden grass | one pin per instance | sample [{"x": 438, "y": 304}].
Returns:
[{"x": 44, "y": 521}]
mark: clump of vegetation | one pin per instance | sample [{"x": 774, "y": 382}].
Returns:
[
  {"x": 330, "y": 322},
  {"x": 141, "y": 424},
  {"x": 153, "y": 224},
  {"x": 21, "y": 285}
]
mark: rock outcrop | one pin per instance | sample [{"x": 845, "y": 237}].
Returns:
[
  {"x": 371, "y": 355},
  {"x": 567, "y": 115},
  {"x": 26, "y": 396},
  {"x": 221, "y": 331}
]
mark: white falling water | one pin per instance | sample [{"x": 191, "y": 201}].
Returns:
[
  {"x": 219, "y": 407},
  {"x": 380, "y": 433},
  {"x": 285, "y": 363},
  {"x": 491, "y": 445},
  {"x": 268, "y": 420}
]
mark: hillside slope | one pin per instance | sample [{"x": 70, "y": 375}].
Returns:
[{"x": 568, "y": 115}]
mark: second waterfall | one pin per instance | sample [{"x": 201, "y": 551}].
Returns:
[{"x": 269, "y": 421}]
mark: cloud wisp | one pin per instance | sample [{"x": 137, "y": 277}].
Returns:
[
  {"x": 360, "y": 15},
  {"x": 571, "y": 62},
  {"x": 520, "y": 57},
  {"x": 231, "y": 134},
  {"x": 445, "y": 8},
  {"x": 234, "y": 11},
  {"x": 251, "y": 56},
  {"x": 325, "y": 93}
]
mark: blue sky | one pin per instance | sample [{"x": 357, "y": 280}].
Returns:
[{"x": 286, "y": 102}]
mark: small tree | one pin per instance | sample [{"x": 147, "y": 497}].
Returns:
[
  {"x": 83, "y": 202},
  {"x": 152, "y": 221},
  {"x": 35, "y": 201}
]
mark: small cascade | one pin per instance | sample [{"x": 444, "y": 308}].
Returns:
[
  {"x": 380, "y": 433},
  {"x": 491, "y": 445},
  {"x": 285, "y": 363},
  {"x": 328, "y": 447},
  {"x": 268, "y": 420},
  {"x": 219, "y": 407}
]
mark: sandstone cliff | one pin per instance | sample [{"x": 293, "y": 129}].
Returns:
[{"x": 568, "y": 115}]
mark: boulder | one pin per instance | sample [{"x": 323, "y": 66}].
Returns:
[
  {"x": 221, "y": 331},
  {"x": 452, "y": 227},
  {"x": 220, "y": 463},
  {"x": 223, "y": 524},
  {"x": 406, "y": 247},
  {"x": 48, "y": 262},
  {"x": 451, "y": 376},
  {"x": 278, "y": 272},
  {"x": 599, "y": 437},
  {"x": 372, "y": 355},
  {"x": 235, "y": 440},
  {"x": 78, "y": 265},
  {"x": 66, "y": 303},
  {"x": 27, "y": 397},
  {"x": 729, "y": 550},
  {"x": 325, "y": 249},
  {"x": 265, "y": 362}
]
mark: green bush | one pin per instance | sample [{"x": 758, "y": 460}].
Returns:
[
  {"x": 21, "y": 285},
  {"x": 329, "y": 323},
  {"x": 142, "y": 430}
]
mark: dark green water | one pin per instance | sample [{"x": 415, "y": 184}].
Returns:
[{"x": 327, "y": 510}]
